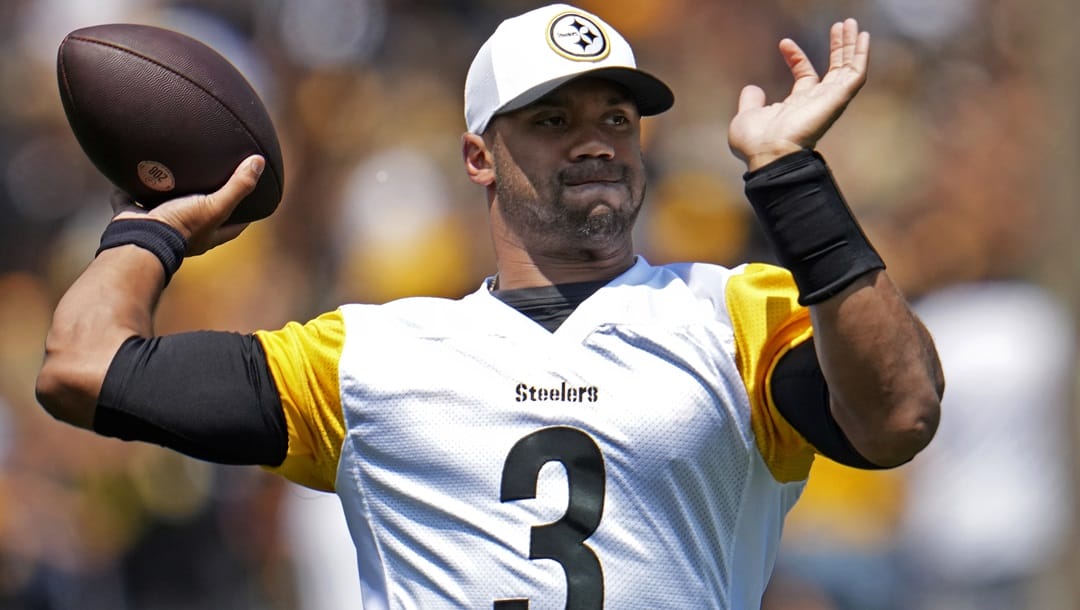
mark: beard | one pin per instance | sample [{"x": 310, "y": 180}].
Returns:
[{"x": 545, "y": 215}]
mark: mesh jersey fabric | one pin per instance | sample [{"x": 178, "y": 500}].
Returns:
[{"x": 630, "y": 457}]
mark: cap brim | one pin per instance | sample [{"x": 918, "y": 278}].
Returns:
[{"x": 650, "y": 94}]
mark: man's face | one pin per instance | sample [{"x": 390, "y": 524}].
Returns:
[{"x": 568, "y": 167}]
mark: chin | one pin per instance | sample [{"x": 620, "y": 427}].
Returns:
[{"x": 605, "y": 223}]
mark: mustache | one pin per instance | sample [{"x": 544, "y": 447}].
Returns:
[{"x": 593, "y": 170}]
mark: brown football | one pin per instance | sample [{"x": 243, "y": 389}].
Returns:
[{"x": 163, "y": 115}]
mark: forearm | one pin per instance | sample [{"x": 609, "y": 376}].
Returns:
[
  {"x": 883, "y": 374},
  {"x": 115, "y": 296},
  {"x": 112, "y": 300},
  {"x": 876, "y": 358}
]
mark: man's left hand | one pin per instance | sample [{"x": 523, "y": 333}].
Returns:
[{"x": 762, "y": 133}]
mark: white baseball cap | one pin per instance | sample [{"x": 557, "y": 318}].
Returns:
[{"x": 530, "y": 55}]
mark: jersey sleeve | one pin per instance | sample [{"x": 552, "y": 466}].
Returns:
[
  {"x": 762, "y": 302},
  {"x": 303, "y": 361}
]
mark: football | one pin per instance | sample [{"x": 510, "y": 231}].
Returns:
[{"x": 162, "y": 115}]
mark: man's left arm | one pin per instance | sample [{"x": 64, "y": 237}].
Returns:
[
  {"x": 879, "y": 363},
  {"x": 881, "y": 367}
]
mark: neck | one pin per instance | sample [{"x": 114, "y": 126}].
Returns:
[{"x": 527, "y": 271}]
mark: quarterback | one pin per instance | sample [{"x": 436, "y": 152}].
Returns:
[{"x": 585, "y": 429}]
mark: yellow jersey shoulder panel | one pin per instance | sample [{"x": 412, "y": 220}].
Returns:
[
  {"x": 768, "y": 321},
  {"x": 303, "y": 360}
]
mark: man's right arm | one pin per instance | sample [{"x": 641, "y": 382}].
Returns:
[
  {"x": 209, "y": 395},
  {"x": 115, "y": 297},
  {"x": 111, "y": 301}
]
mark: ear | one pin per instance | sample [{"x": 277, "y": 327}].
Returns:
[{"x": 479, "y": 164}]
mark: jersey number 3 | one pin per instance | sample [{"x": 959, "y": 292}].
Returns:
[{"x": 563, "y": 540}]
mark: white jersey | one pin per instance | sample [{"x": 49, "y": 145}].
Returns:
[{"x": 630, "y": 459}]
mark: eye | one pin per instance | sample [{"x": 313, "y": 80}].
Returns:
[
  {"x": 620, "y": 120},
  {"x": 553, "y": 120}
]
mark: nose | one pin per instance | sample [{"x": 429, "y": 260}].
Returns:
[{"x": 592, "y": 142}]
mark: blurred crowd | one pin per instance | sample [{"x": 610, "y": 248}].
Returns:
[{"x": 948, "y": 156}]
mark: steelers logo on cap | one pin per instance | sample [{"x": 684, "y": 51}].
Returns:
[{"x": 577, "y": 37}]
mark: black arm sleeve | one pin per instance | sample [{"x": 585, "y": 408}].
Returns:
[
  {"x": 802, "y": 397},
  {"x": 205, "y": 394}
]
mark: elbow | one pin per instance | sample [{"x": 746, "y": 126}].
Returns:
[
  {"x": 902, "y": 424},
  {"x": 49, "y": 390},
  {"x": 64, "y": 392},
  {"x": 917, "y": 419},
  {"x": 907, "y": 431},
  {"x": 913, "y": 434}
]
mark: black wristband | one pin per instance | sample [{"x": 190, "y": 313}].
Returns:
[
  {"x": 162, "y": 240},
  {"x": 809, "y": 225}
]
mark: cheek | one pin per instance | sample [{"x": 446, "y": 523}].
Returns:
[
  {"x": 635, "y": 163},
  {"x": 520, "y": 176}
]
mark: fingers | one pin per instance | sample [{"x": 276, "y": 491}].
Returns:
[
  {"x": 801, "y": 69},
  {"x": 848, "y": 46},
  {"x": 851, "y": 34},
  {"x": 198, "y": 217},
  {"x": 240, "y": 185},
  {"x": 121, "y": 202},
  {"x": 861, "y": 58},
  {"x": 751, "y": 97},
  {"x": 225, "y": 234},
  {"x": 836, "y": 45}
]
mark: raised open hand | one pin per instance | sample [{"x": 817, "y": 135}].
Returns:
[{"x": 761, "y": 133}]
